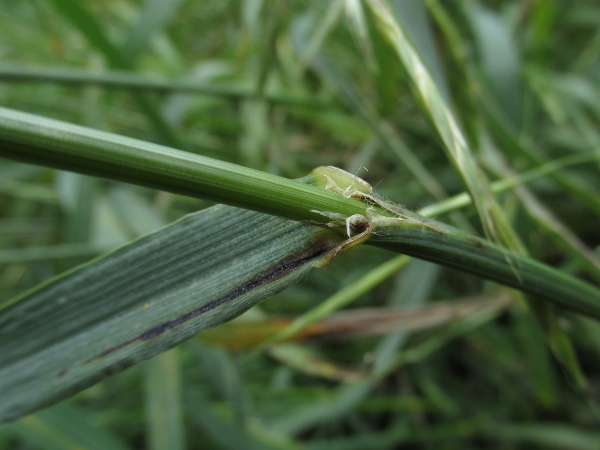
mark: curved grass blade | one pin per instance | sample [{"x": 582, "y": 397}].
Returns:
[
  {"x": 455, "y": 144},
  {"x": 430, "y": 240},
  {"x": 144, "y": 298}
]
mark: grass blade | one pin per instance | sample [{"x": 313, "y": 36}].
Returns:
[
  {"x": 118, "y": 79},
  {"x": 163, "y": 396},
  {"x": 65, "y": 427},
  {"x": 446, "y": 124},
  {"x": 480, "y": 257},
  {"x": 144, "y": 298},
  {"x": 339, "y": 299}
]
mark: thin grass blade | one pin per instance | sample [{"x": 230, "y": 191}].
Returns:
[{"x": 455, "y": 143}]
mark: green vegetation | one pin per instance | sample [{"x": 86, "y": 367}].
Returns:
[{"x": 481, "y": 116}]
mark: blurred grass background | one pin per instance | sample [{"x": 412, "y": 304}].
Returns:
[{"x": 285, "y": 86}]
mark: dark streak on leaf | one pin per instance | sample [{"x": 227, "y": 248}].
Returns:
[{"x": 278, "y": 270}]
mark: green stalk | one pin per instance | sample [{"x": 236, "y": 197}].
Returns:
[
  {"x": 452, "y": 248},
  {"x": 30, "y": 138},
  {"x": 34, "y": 139}
]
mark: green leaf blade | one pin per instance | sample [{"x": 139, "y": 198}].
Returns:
[{"x": 144, "y": 298}]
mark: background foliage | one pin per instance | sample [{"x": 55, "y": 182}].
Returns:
[{"x": 284, "y": 87}]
